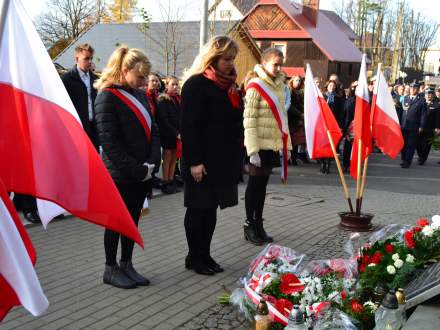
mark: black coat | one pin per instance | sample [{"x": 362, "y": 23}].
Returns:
[
  {"x": 432, "y": 115},
  {"x": 168, "y": 120},
  {"x": 349, "y": 108},
  {"x": 212, "y": 131},
  {"x": 77, "y": 91},
  {"x": 125, "y": 147},
  {"x": 414, "y": 113},
  {"x": 337, "y": 107}
]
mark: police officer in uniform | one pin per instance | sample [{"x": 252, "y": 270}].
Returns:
[
  {"x": 431, "y": 126},
  {"x": 413, "y": 121}
]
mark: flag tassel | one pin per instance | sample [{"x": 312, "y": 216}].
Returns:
[{"x": 341, "y": 174}]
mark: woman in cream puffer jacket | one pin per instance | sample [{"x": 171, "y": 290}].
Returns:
[{"x": 263, "y": 142}]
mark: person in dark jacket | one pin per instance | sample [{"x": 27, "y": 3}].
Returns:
[
  {"x": 130, "y": 150},
  {"x": 168, "y": 117},
  {"x": 79, "y": 85},
  {"x": 413, "y": 121},
  {"x": 431, "y": 126},
  {"x": 347, "y": 128},
  {"x": 212, "y": 132},
  {"x": 336, "y": 104}
]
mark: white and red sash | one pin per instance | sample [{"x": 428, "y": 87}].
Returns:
[
  {"x": 277, "y": 111},
  {"x": 137, "y": 107}
]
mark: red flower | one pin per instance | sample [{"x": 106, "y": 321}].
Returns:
[
  {"x": 270, "y": 299},
  {"x": 376, "y": 258},
  {"x": 362, "y": 268},
  {"x": 290, "y": 284},
  {"x": 423, "y": 222},
  {"x": 389, "y": 248},
  {"x": 356, "y": 306},
  {"x": 284, "y": 306},
  {"x": 417, "y": 229},
  {"x": 409, "y": 239},
  {"x": 343, "y": 295},
  {"x": 366, "y": 259}
]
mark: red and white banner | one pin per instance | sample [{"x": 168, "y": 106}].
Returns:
[
  {"x": 361, "y": 122},
  {"x": 280, "y": 117},
  {"x": 19, "y": 283},
  {"x": 385, "y": 123},
  {"x": 45, "y": 151},
  {"x": 318, "y": 119}
]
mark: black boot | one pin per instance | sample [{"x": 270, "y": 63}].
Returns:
[
  {"x": 251, "y": 234},
  {"x": 201, "y": 268},
  {"x": 327, "y": 169},
  {"x": 128, "y": 269},
  {"x": 32, "y": 216},
  {"x": 262, "y": 233},
  {"x": 114, "y": 276},
  {"x": 322, "y": 169}
]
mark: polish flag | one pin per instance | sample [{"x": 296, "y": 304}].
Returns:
[
  {"x": 318, "y": 119},
  {"x": 45, "y": 151},
  {"x": 385, "y": 123},
  {"x": 19, "y": 284},
  {"x": 361, "y": 122}
]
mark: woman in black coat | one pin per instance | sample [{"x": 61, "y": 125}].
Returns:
[
  {"x": 347, "y": 128},
  {"x": 130, "y": 150},
  {"x": 211, "y": 137},
  {"x": 168, "y": 118}
]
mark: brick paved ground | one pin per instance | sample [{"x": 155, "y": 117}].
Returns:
[{"x": 71, "y": 256}]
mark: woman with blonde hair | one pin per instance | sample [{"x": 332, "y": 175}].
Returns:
[
  {"x": 211, "y": 132},
  {"x": 265, "y": 135},
  {"x": 130, "y": 150}
]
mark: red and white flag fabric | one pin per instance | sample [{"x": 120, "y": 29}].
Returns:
[
  {"x": 318, "y": 119},
  {"x": 45, "y": 151},
  {"x": 384, "y": 121},
  {"x": 19, "y": 283},
  {"x": 361, "y": 122}
]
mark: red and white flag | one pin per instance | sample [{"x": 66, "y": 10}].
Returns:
[
  {"x": 318, "y": 119},
  {"x": 19, "y": 283},
  {"x": 361, "y": 122},
  {"x": 45, "y": 151},
  {"x": 385, "y": 123}
]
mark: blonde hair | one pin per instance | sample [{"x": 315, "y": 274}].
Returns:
[
  {"x": 215, "y": 48},
  {"x": 123, "y": 58}
]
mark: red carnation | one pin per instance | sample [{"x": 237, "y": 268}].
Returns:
[
  {"x": 389, "y": 248},
  {"x": 356, "y": 306},
  {"x": 366, "y": 259},
  {"x": 284, "y": 306},
  {"x": 343, "y": 295},
  {"x": 417, "y": 229},
  {"x": 377, "y": 257},
  {"x": 423, "y": 222},
  {"x": 409, "y": 239},
  {"x": 362, "y": 268},
  {"x": 290, "y": 284}
]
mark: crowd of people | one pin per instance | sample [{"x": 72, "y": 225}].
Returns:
[{"x": 205, "y": 131}]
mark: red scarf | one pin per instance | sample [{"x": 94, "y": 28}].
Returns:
[
  {"x": 175, "y": 98},
  {"x": 225, "y": 82},
  {"x": 152, "y": 100}
]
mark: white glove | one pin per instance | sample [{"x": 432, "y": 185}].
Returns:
[
  {"x": 255, "y": 160},
  {"x": 150, "y": 170}
]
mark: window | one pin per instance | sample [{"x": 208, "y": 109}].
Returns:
[
  {"x": 282, "y": 46},
  {"x": 258, "y": 44},
  {"x": 225, "y": 13}
]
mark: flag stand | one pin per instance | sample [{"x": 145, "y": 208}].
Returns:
[{"x": 341, "y": 174}]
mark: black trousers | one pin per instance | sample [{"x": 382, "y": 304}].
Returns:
[
  {"x": 25, "y": 203},
  {"x": 410, "y": 139},
  {"x": 346, "y": 153},
  {"x": 255, "y": 194},
  {"x": 199, "y": 228},
  {"x": 133, "y": 195},
  {"x": 424, "y": 145}
]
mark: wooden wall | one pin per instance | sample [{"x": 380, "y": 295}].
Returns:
[
  {"x": 269, "y": 17},
  {"x": 347, "y": 72}
]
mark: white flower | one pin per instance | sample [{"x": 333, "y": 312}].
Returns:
[
  {"x": 372, "y": 265},
  {"x": 410, "y": 258},
  {"x": 347, "y": 283},
  {"x": 271, "y": 268},
  {"x": 427, "y": 231},
  {"x": 370, "y": 304},
  {"x": 391, "y": 269},
  {"x": 435, "y": 222},
  {"x": 395, "y": 256},
  {"x": 398, "y": 263},
  {"x": 295, "y": 294}
]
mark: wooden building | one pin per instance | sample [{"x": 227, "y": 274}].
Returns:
[{"x": 304, "y": 34}]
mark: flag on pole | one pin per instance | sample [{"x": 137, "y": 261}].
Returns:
[
  {"x": 385, "y": 123},
  {"x": 361, "y": 122},
  {"x": 19, "y": 284},
  {"x": 45, "y": 151},
  {"x": 318, "y": 118}
]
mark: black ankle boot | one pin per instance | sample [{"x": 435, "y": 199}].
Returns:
[
  {"x": 251, "y": 234},
  {"x": 262, "y": 233},
  {"x": 128, "y": 269},
  {"x": 114, "y": 276},
  {"x": 201, "y": 268}
]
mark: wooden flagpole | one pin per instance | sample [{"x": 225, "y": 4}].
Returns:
[
  {"x": 358, "y": 182},
  {"x": 341, "y": 174}
]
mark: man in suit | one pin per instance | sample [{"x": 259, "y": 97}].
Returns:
[
  {"x": 413, "y": 121},
  {"x": 79, "y": 84}
]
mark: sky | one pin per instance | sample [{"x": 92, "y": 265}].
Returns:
[{"x": 191, "y": 9}]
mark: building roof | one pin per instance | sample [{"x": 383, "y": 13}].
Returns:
[
  {"x": 106, "y": 37},
  {"x": 327, "y": 35},
  {"x": 244, "y": 6},
  {"x": 338, "y": 21}
]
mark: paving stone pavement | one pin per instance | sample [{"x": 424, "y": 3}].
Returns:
[{"x": 71, "y": 259}]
